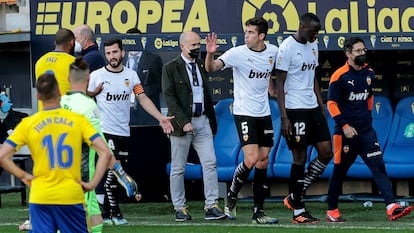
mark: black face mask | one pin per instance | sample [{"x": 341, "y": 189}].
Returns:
[
  {"x": 194, "y": 53},
  {"x": 360, "y": 60}
]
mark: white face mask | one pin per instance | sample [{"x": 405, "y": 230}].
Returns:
[{"x": 78, "y": 47}]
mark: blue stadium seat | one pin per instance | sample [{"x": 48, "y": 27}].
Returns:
[
  {"x": 382, "y": 115},
  {"x": 398, "y": 153},
  {"x": 282, "y": 160},
  {"x": 226, "y": 141},
  {"x": 275, "y": 113},
  {"x": 193, "y": 171}
]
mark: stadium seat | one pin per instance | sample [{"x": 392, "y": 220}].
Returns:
[
  {"x": 226, "y": 141},
  {"x": 275, "y": 113},
  {"x": 382, "y": 115},
  {"x": 398, "y": 153},
  {"x": 193, "y": 171}
]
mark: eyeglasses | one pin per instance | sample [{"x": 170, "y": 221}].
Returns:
[{"x": 360, "y": 50}]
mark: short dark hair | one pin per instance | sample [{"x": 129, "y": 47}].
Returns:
[
  {"x": 78, "y": 70},
  {"x": 113, "y": 41},
  {"x": 261, "y": 24},
  {"x": 47, "y": 86},
  {"x": 64, "y": 36},
  {"x": 308, "y": 18},
  {"x": 79, "y": 64},
  {"x": 134, "y": 31},
  {"x": 349, "y": 43}
]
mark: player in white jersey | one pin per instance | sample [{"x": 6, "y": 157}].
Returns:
[
  {"x": 252, "y": 65},
  {"x": 79, "y": 77},
  {"x": 113, "y": 100},
  {"x": 302, "y": 113}
]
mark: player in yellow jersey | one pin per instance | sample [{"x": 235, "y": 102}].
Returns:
[
  {"x": 54, "y": 137},
  {"x": 58, "y": 60}
]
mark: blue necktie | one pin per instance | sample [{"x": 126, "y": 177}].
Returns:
[
  {"x": 194, "y": 73},
  {"x": 198, "y": 106}
]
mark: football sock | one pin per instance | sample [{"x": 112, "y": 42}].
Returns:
[
  {"x": 259, "y": 187},
  {"x": 314, "y": 171},
  {"x": 240, "y": 175}
]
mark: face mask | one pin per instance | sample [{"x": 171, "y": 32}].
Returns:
[
  {"x": 360, "y": 60},
  {"x": 194, "y": 53},
  {"x": 5, "y": 103},
  {"x": 78, "y": 47}
]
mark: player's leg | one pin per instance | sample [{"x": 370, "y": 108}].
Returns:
[
  {"x": 247, "y": 134},
  {"x": 94, "y": 212},
  {"x": 373, "y": 158},
  {"x": 119, "y": 146},
  {"x": 42, "y": 219},
  {"x": 260, "y": 182},
  {"x": 320, "y": 137},
  {"x": 344, "y": 156},
  {"x": 71, "y": 218}
]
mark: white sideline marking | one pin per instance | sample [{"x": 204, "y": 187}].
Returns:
[{"x": 319, "y": 226}]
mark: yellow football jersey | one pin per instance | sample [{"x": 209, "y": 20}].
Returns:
[
  {"x": 54, "y": 138},
  {"x": 58, "y": 62}
]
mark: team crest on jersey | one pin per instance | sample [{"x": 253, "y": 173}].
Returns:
[
  {"x": 127, "y": 82},
  {"x": 346, "y": 148},
  {"x": 314, "y": 52},
  {"x": 245, "y": 137},
  {"x": 369, "y": 80},
  {"x": 95, "y": 113},
  {"x": 297, "y": 138},
  {"x": 270, "y": 60}
]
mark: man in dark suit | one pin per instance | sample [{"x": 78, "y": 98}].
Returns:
[
  {"x": 8, "y": 118},
  {"x": 148, "y": 66},
  {"x": 184, "y": 84}
]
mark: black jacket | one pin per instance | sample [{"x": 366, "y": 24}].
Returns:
[{"x": 179, "y": 95}]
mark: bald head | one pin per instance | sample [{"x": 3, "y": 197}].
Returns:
[{"x": 83, "y": 32}]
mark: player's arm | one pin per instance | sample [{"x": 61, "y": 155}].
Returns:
[
  {"x": 318, "y": 94},
  {"x": 272, "y": 88},
  {"x": 280, "y": 93},
  {"x": 334, "y": 91},
  {"x": 6, "y": 154},
  {"x": 105, "y": 154},
  {"x": 95, "y": 91},
  {"x": 212, "y": 64},
  {"x": 149, "y": 106}
]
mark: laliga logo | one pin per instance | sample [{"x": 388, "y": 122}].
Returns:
[
  {"x": 250, "y": 8},
  {"x": 158, "y": 43}
]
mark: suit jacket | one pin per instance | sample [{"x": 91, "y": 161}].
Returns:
[
  {"x": 149, "y": 72},
  {"x": 93, "y": 57},
  {"x": 179, "y": 95},
  {"x": 10, "y": 122}
]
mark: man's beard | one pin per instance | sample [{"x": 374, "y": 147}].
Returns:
[{"x": 116, "y": 65}]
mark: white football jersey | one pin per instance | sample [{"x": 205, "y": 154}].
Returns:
[
  {"x": 300, "y": 61},
  {"x": 251, "y": 73},
  {"x": 114, "y": 100}
]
